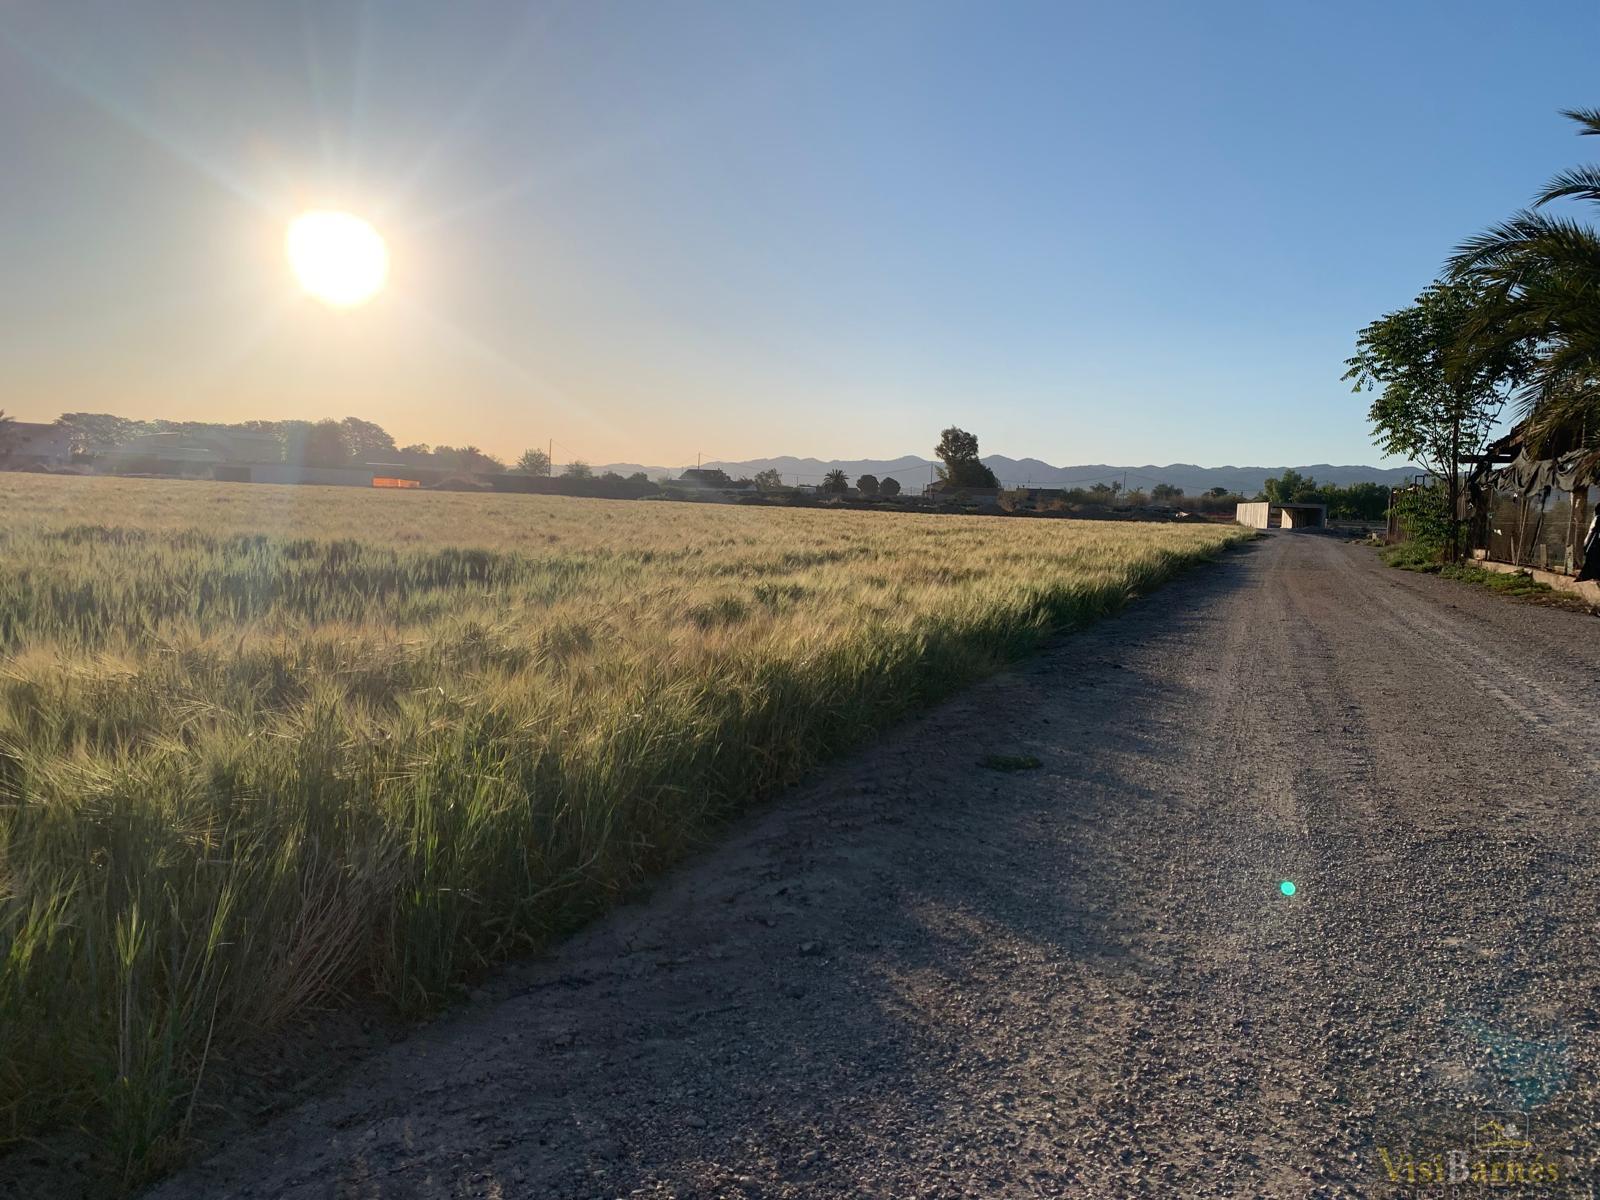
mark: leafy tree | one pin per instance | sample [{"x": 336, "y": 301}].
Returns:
[
  {"x": 867, "y": 485},
  {"x": 708, "y": 477},
  {"x": 320, "y": 445},
  {"x": 888, "y": 486},
  {"x": 1538, "y": 277},
  {"x": 465, "y": 458},
  {"x": 958, "y": 450},
  {"x": 534, "y": 462},
  {"x": 7, "y": 433},
  {"x": 638, "y": 477},
  {"x": 1218, "y": 492},
  {"x": 94, "y": 432},
  {"x": 1166, "y": 493},
  {"x": 1442, "y": 386},
  {"x": 769, "y": 480},
  {"x": 1290, "y": 488},
  {"x": 836, "y": 481},
  {"x": 1356, "y": 502},
  {"x": 367, "y": 441},
  {"x": 577, "y": 469},
  {"x": 1423, "y": 512},
  {"x": 417, "y": 454},
  {"x": 474, "y": 459}
]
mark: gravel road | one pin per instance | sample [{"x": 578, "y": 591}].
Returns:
[{"x": 921, "y": 977}]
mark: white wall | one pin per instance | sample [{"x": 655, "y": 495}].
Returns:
[{"x": 1253, "y": 514}]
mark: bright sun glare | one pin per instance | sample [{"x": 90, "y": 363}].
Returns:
[{"x": 338, "y": 258}]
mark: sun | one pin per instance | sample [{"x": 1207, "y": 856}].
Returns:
[{"x": 337, "y": 257}]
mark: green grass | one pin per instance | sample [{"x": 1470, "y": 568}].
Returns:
[
  {"x": 1414, "y": 555},
  {"x": 1507, "y": 584},
  {"x": 265, "y": 749},
  {"x": 1518, "y": 585},
  {"x": 1425, "y": 556}
]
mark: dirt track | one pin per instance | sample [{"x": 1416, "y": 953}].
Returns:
[{"x": 918, "y": 977}]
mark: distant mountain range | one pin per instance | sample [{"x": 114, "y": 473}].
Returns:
[{"x": 913, "y": 472}]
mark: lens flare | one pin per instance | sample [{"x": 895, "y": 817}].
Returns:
[
  {"x": 337, "y": 257},
  {"x": 1287, "y": 887}
]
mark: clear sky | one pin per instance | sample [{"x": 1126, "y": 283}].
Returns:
[{"x": 1125, "y": 232}]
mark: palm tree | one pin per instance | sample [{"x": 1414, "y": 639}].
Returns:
[
  {"x": 1541, "y": 274},
  {"x": 836, "y": 481}
]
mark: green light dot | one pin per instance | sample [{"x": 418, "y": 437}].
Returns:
[{"x": 1287, "y": 887}]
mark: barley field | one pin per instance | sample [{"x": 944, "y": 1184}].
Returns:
[{"x": 263, "y": 749}]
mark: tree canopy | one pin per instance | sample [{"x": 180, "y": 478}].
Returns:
[
  {"x": 1540, "y": 277},
  {"x": 958, "y": 451},
  {"x": 534, "y": 462},
  {"x": 1439, "y": 389}
]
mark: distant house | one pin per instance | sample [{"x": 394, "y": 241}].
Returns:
[
  {"x": 713, "y": 478},
  {"x": 1033, "y": 499},
  {"x": 205, "y": 446},
  {"x": 168, "y": 449},
  {"x": 35, "y": 444},
  {"x": 944, "y": 491}
]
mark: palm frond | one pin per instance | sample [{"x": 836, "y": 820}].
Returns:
[
  {"x": 1537, "y": 278},
  {"x": 1579, "y": 183},
  {"x": 1589, "y": 118},
  {"x": 1563, "y": 419},
  {"x": 1525, "y": 234}
]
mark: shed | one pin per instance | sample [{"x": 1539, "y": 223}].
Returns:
[{"x": 1263, "y": 514}]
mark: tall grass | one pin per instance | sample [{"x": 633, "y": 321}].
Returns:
[{"x": 264, "y": 748}]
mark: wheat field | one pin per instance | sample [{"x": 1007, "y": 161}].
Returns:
[{"x": 262, "y": 748}]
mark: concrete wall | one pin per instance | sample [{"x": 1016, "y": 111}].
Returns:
[
  {"x": 1589, "y": 589},
  {"x": 1258, "y": 514},
  {"x": 1253, "y": 514},
  {"x": 287, "y": 473},
  {"x": 1305, "y": 516}
]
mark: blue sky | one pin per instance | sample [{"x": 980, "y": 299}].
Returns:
[{"x": 1132, "y": 232}]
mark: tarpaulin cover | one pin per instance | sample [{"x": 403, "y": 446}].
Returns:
[{"x": 1524, "y": 475}]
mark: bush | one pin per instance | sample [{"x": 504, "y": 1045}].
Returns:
[
  {"x": 1423, "y": 514},
  {"x": 1415, "y": 555}
]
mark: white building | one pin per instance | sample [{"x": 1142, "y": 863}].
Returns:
[{"x": 34, "y": 444}]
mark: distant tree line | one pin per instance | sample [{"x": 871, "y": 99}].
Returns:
[
  {"x": 326, "y": 443},
  {"x": 1355, "y": 502},
  {"x": 353, "y": 441}
]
